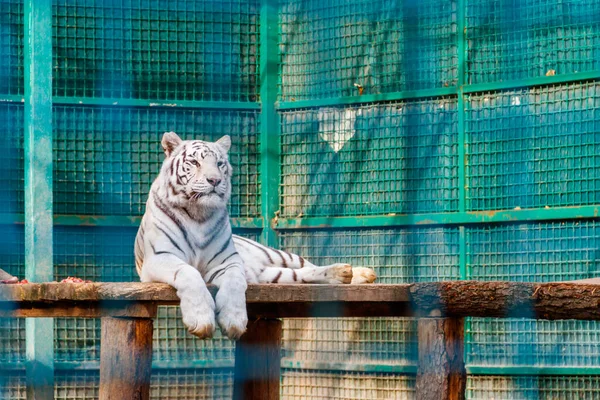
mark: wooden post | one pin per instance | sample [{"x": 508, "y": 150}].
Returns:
[
  {"x": 258, "y": 361},
  {"x": 125, "y": 358},
  {"x": 441, "y": 373}
]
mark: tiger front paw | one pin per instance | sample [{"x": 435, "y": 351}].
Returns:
[
  {"x": 199, "y": 316},
  {"x": 233, "y": 321}
]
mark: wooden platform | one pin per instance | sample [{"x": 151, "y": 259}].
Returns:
[{"x": 127, "y": 311}]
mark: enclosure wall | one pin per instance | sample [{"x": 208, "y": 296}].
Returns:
[{"x": 429, "y": 140}]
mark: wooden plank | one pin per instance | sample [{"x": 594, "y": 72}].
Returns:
[
  {"x": 573, "y": 300},
  {"x": 165, "y": 294},
  {"x": 258, "y": 361},
  {"x": 78, "y": 309},
  {"x": 125, "y": 358},
  {"x": 441, "y": 372}
]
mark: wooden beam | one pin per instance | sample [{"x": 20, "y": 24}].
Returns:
[
  {"x": 441, "y": 374},
  {"x": 560, "y": 300},
  {"x": 125, "y": 358},
  {"x": 258, "y": 361},
  {"x": 573, "y": 300}
]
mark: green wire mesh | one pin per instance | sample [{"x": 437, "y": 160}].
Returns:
[
  {"x": 11, "y": 47},
  {"x": 390, "y": 341},
  {"x": 12, "y": 385},
  {"x": 183, "y": 384},
  {"x": 76, "y": 385},
  {"x": 533, "y": 387},
  {"x": 105, "y": 158},
  {"x": 310, "y": 384},
  {"x": 192, "y": 384},
  {"x": 511, "y": 40},
  {"x": 158, "y": 49},
  {"x": 542, "y": 252},
  {"x": 533, "y": 148},
  {"x": 11, "y": 163},
  {"x": 384, "y": 158},
  {"x": 12, "y": 330},
  {"x": 397, "y": 256},
  {"x": 328, "y": 46}
]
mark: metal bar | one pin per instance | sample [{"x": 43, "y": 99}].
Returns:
[
  {"x": 222, "y": 105},
  {"x": 462, "y": 143},
  {"x": 134, "y": 221},
  {"x": 449, "y": 91},
  {"x": 532, "y": 370},
  {"x": 270, "y": 130},
  {"x": 458, "y": 218},
  {"x": 375, "y": 221},
  {"x": 9, "y": 98},
  {"x": 337, "y": 101},
  {"x": 541, "y": 81},
  {"x": 348, "y": 366},
  {"x": 39, "y": 336}
]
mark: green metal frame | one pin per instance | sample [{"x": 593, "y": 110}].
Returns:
[
  {"x": 269, "y": 127},
  {"x": 39, "y": 364},
  {"x": 38, "y": 218}
]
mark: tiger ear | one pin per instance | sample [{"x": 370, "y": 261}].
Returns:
[
  {"x": 169, "y": 142},
  {"x": 224, "y": 142}
]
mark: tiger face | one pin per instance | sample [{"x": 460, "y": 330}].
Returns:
[{"x": 198, "y": 172}]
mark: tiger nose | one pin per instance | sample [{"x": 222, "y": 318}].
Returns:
[{"x": 213, "y": 181}]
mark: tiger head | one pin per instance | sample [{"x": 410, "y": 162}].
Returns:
[{"x": 197, "y": 171}]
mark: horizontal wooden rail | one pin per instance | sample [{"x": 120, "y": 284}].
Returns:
[{"x": 129, "y": 309}]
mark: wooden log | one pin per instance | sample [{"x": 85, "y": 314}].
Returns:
[
  {"x": 572, "y": 300},
  {"x": 441, "y": 373},
  {"x": 473, "y": 298},
  {"x": 125, "y": 358},
  {"x": 258, "y": 361}
]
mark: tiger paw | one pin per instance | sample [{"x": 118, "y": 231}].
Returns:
[
  {"x": 363, "y": 275},
  {"x": 199, "y": 316},
  {"x": 339, "y": 273},
  {"x": 233, "y": 321}
]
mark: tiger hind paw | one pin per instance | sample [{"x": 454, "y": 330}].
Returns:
[{"x": 361, "y": 275}]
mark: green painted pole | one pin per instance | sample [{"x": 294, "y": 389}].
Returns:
[
  {"x": 462, "y": 145},
  {"x": 38, "y": 190},
  {"x": 269, "y": 122}
]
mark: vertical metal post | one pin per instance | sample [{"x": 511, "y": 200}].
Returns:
[
  {"x": 462, "y": 158},
  {"x": 38, "y": 190},
  {"x": 269, "y": 121}
]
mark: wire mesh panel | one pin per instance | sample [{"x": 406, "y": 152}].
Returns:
[
  {"x": 11, "y": 163},
  {"x": 543, "y": 252},
  {"x": 328, "y": 47},
  {"x": 533, "y": 387},
  {"x": 351, "y": 340},
  {"x": 106, "y": 158},
  {"x": 173, "y": 342},
  {"x": 12, "y": 385},
  {"x": 509, "y": 40},
  {"x": 76, "y": 385},
  {"x": 308, "y": 384},
  {"x": 12, "y": 256},
  {"x": 397, "y": 157},
  {"x": 536, "y": 147},
  {"x": 193, "y": 384},
  {"x": 396, "y": 255},
  {"x": 158, "y": 49},
  {"x": 11, "y": 47}
]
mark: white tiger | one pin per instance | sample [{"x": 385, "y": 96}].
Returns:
[{"x": 185, "y": 240}]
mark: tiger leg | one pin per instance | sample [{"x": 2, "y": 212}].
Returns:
[
  {"x": 260, "y": 257},
  {"x": 333, "y": 274},
  {"x": 197, "y": 304},
  {"x": 231, "y": 296}
]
